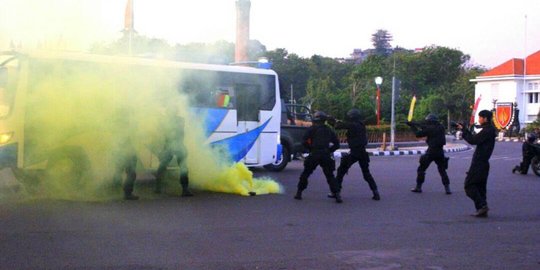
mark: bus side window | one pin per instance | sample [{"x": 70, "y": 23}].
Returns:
[{"x": 225, "y": 98}]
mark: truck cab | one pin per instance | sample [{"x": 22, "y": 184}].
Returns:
[{"x": 295, "y": 120}]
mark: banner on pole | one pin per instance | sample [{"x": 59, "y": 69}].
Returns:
[
  {"x": 475, "y": 108},
  {"x": 411, "y": 109}
]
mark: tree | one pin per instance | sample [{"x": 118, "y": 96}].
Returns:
[
  {"x": 381, "y": 42},
  {"x": 255, "y": 49},
  {"x": 293, "y": 72}
]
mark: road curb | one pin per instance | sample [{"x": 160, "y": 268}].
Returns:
[
  {"x": 457, "y": 148},
  {"x": 509, "y": 140}
]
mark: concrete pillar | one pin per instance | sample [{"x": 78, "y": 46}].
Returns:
[{"x": 242, "y": 30}]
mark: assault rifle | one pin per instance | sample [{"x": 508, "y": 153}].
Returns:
[{"x": 420, "y": 125}]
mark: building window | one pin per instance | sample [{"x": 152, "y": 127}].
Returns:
[
  {"x": 535, "y": 86},
  {"x": 530, "y": 86},
  {"x": 533, "y": 97}
]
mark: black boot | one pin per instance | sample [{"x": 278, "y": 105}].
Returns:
[
  {"x": 482, "y": 212},
  {"x": 128, "y": 196},
  {"x": 298, "y": 195},
  {"x": 186, "y": 193},
  {"x": 447, "y": 189},
  {"x": 376, "y": 195},
  {"x": 338, "y": 197},
  {"x": 417, "y": 189},
  {"x": 516, "y": 169}
]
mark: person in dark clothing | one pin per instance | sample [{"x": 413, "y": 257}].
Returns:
[
  {"x": 476, "y": 180},
  {"x": 125, "y": 153},
  {"x": 357, "y": 140},
  {"x": 528, "y": 150},
  {"x": 127, "y": 163},
  {"x": 173, "y": 147},
  {"x": 317, "y": 140},
  {"x": 435, "y": 139}
]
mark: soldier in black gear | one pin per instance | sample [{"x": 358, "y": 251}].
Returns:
[
  {"x": 173, "y": 146},
  {"x": 127, "y": 163},
  {"x": 528, "y": 150},
  {"x": 317, "y": 140},
  {"x": 357, "y": 140},
  {"x": 476, "y": 180},
  {"x": 126, "y": 154},
  {"x": 435, "y": 139}
]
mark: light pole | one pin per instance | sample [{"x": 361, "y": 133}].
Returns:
[
  {"x": 378, "y": 82},
  {"x": 393, "y": 119}
]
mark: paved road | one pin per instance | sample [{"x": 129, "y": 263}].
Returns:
[{"x": 220, "y": 231}]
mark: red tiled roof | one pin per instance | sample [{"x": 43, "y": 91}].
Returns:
[{"x": 515, "y": 67}]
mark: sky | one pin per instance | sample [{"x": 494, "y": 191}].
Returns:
[{"x": 490, "y": 31}]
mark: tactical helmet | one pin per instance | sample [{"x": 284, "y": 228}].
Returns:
[
  {"x": 431, "y": 117},
  {"x": 354, "y": 114},
  {"x": 531, "y": 137},
  {"x": 319, "y": 116}
]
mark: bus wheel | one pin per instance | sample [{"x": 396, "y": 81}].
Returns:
[
  {"x": 67, "y": 166},
  {"x": 280, "y": 164}
]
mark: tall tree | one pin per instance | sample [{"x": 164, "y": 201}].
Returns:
[
  {"x": 381, "y": 42},
  {"x": 293, "y": 72}
]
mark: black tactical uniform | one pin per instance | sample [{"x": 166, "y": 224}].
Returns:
[
  {"x": 174, "y": 146},
  {"x": 318, "y": 139},
  {"x": 126, "y": 155},
  {"x": 476, "y": 180},
  {"x": 127, "y": 163},
  {"x": 435, "y": 140},
  {"x": 528, "y": 150},
  {"x": 357, "y": 140}
]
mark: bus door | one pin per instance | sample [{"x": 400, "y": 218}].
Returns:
[{"x": 247, "y": 105}]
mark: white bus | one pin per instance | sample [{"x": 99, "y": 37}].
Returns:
[{"x": 239, "y": 106}]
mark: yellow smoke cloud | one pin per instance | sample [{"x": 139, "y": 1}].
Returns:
[
  {"x": 93, "y": 113},
  {"x": 98, "y": 112}
]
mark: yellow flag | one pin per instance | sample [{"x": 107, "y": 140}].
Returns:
[{"x": 411, "y": 109}]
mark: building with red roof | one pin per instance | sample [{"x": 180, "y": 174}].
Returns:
[{"x": 516, "y": 83}]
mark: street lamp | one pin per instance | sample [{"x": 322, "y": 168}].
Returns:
[{"x": 378, "y": 82}]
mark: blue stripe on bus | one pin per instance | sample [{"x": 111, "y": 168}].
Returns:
[
  {"x": 8, "y": 155},
  {"x": 240, "y": 144},
  {"x": 212, "y": 118}
]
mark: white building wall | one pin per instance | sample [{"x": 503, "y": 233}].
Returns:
[
  {"x": 532, "y": 91},
  {"x": 500, "y": 90}
]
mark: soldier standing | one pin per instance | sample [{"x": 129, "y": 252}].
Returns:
[
  {"x": 435, "y": 139},
  {"x": 476, "y": 180},
  {"x": 357, "y": 140},
  {"x": 317, "y": 140},
  {"x": 173, "y": 147},
  {"x": 124, "y": 151}
]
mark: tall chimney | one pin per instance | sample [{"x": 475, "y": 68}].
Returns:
[{"x": 242, "y": 30}]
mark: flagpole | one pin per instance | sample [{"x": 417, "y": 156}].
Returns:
[{"x": 524, "y": 88}]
